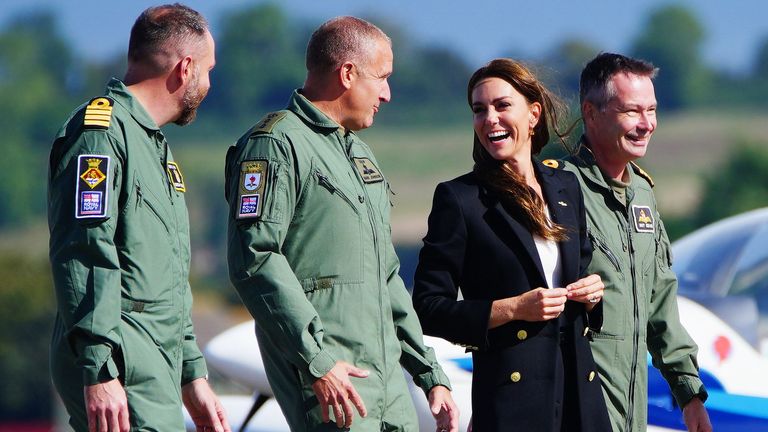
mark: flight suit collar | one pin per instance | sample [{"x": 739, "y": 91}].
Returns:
[
  {"x": 307, "y": 111},
  {"x": 117, "y": 90},
  {"x": 585, "y": 160}
]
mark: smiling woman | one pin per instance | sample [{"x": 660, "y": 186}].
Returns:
[{"x": 511, "y": 236}]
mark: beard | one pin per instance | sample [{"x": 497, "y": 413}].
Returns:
[{"x": 192, "y": 98}]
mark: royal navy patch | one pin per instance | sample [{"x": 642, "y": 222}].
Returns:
[
  {"x": 91, "y": 191},
  {"x": 98, "y": 113},
  {"x": 175, "y": 176},
  {"x": 368, "y": 171},
  {"x": 268, "y": 122},
  {"x": 643, "y": 219},
  {"x": 253, "y": 188}
]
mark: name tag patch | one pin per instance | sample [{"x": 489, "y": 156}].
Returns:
[
  {"x": 175, "y": 176},
  {"x": 253, "y": 188},
  {"x": 368, "y": 171},
  {"x": 643, "y": 217},
  {"x": 91, "y": 192}
]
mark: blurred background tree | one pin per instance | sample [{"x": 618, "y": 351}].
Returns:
[{"x": 672, "y": 39}]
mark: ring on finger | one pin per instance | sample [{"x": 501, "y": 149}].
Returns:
[{"x": 594, "y": 300}]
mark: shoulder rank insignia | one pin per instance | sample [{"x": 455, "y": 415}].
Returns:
[
  {"x": 552, "y": 163},
  {"x": 253, "y": 189},
  {"x": 98, "y": 113},
  {"x": 91, "y": 191},
  {"x": 641, "y": 172},
  {"x": 643, "y": 217},
  {"x": 268, "y": 122},
  {"x": 175, "y": 176},
  {"x": 368, "y": 171}
]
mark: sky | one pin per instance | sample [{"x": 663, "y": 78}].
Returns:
[{"x": 478, "y": 30}]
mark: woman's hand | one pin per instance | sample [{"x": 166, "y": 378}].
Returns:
[
  {"x": 539, "y": 304},
  {"x": 588, "y": 290}
]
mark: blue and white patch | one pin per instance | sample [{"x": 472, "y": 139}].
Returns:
[
  {"x": 92, "y": 186},
  {"x": 249, "y": 206}
]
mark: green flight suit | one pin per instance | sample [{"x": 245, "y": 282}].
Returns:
[
  {"x": 311, "y": 256},
  {"x": 119, "y": 252},
  {"x": 632, "y": 255}
]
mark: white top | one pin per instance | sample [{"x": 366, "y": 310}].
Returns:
[{"x": 549, "y": 254}]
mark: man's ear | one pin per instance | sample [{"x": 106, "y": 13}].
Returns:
[
  {"x": 588, "y": 111},
  {"x": 347, "y": 74},
  {"x": 184, "y": 70}
]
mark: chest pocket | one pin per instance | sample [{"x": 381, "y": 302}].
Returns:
[{"x": 329, "y": 245}]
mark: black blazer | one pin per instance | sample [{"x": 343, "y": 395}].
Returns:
[{"x": 525, "y": 374}]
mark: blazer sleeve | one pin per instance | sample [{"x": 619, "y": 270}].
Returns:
[{"x": 438, "y": 276}]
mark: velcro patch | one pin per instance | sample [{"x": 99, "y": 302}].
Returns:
[
  {"x": 643, "y": 217},
  {"x": 175, "y": 176},
  {"x": 98, "y": 113},
  {"x": 368, "y": 171},
  {"x": 91, "y": 191},
  {"x": 253, "y": 188}
]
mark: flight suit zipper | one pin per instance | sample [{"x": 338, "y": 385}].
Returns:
[
  {"x": 636, "y": 329},
  {"x": 326, "y": 183},
  {"x": 365, "y": 199},
  {"x": 603, "y": 247}
]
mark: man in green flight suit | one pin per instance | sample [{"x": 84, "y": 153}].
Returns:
[
  {"x": 123, "y": 354},
  {"x": 632, "y": 252},
  {"x": 310, "y": 249}
]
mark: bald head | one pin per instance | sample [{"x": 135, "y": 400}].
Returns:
[
  {"x": 162, "y": 35},
  {"x": 340, "y": 40}
]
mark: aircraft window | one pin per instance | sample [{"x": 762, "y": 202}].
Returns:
[
  {"x": 706, "y": 265},
  {"x": 751, "y": 275}
]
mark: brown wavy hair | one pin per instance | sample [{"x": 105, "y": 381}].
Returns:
[{"x": 498, "y": 175}]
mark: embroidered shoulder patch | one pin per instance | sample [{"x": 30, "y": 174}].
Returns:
[
  {"x": 175, "y": 176},
  {"x": 267, "y": 123},
  {"x": 368, "y": 171},
  {"x": 552, "y": 163},
  {"x": 91, "y": 191},
  {"x": 643, "y": 217},
  {"x": 253, "y": 188},
  {"x": 98, "y": 113}
]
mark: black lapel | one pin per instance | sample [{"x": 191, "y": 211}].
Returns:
[
  {"x": 524, "y": 237},
  {"x": 564, "y": 212}
]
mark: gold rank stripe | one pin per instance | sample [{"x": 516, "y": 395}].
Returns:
[
  {"x": 105, "y": 110},
  {"x": 97, "y": 116}
]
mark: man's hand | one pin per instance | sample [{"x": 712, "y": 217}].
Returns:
[
  {"x": 588, "y": 290},
  {"x": 335, "y": 389},
  {"x": 695, "y": 416},
  {"x": 106, "y": 407},
  {"x": 204, "y": 407},
  {"x": 444, "y": 410}
]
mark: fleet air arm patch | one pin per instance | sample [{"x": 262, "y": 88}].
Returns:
[
  {"x": 643, "y": 217},
  {"x": 368, "y": 171},
  {"x": 98, "y": 113},
  {"x": 253, "y": 188},
  {"x": 91, "y": 190},
  {"x": 175, "y": 176}
]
